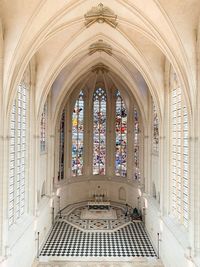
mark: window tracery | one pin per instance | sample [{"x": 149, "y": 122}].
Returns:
[
  {"x": 99, "y": 131},
  {"x": 43, "y": 129},
  {"x": 18, "y": 149},
  {"x": 179, "y": 155},
  {"x": 62, "y": 147},
  {"x": 136, "y": 145},
  {"x": 121, "y": 136},
  {"x": 155, "y": 141},
  {"x": 92, "y": 134},
  {"x": 77, "y": 136}
]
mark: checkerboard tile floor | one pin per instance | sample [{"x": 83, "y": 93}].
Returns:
[{"x": 129, "y": 241}]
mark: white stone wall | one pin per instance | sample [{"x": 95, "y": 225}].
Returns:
[
  {"x": 146, "y": 42},
  {"x": 23, "y": 241},
  {"x": 174, "y": 241},
  {"x": 82, "y": 191}
]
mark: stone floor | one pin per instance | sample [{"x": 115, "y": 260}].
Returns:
[
  {"x": 74, "y": 215},
  {"x": 66, "y": 242},
  {"x": 155, "y": 263},
  {"x": 98, "y": 214},
  {"x": 74, "y": 242}
]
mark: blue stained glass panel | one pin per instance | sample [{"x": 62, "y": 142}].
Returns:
[
  {"x": 99, "y": 131},
  {"x": 136, "y": 145},
  {"x": 62, "y": 145},
  {"x": 121, "y": 137},
  {"x": 155, "y": 141},
  {"x": 77, "y": 136}
]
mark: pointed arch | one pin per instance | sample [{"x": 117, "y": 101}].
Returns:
[
  {"x": 78, "y": 136},
  {"x": 99, "y": 131},
  {"x": 121, "y": 136}
]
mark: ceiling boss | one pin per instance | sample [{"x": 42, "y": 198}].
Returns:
[{"x": 100, "y": 14}]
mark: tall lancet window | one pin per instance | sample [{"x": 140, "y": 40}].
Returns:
[
  {"x": 121, "y": 136},
  {"x": 43, "y": 129},
  {"x": 77, "y": 136},
  {"x": 18, "y": 157},
  {"x": 136, "y": 145},
  {"x": 62, "y": 147},
  {"x": 99, "y": 131},
  {"x": 155, "y": 141},
  {"x": 179, "y": 155}
]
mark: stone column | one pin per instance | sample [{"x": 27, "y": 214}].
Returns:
[
  {"x": 89, "y": 134},
  {"x": 110, "y": 142},
  {"x": 1, "y": 139},
  {"x": 68, "y": 143}
]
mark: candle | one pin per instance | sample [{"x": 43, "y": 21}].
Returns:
[
  {"x": 35, "y": 225},
  {"x": 51, "y": 202},
  {"x": 58, "y": 192}
]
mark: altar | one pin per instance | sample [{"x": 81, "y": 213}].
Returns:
[
  {"x": 99, "y": 201},
  {"x": 97, "y": 214},
  {"x": 98, "y": 205}
]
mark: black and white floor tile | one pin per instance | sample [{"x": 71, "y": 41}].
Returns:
[
  {"x": 69, "y": 241},
  {"x": 74, "y": 217}
]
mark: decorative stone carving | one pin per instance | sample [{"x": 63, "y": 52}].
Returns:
[
  {"x": 100, "y": 46},
  {"x": 100, "y": 67},
  {"x": 100, "y": 14}
]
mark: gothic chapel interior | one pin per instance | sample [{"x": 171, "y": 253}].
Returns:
[{"x": 100, "y": 133}]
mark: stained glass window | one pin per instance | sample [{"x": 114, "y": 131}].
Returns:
[
  {"x": 121, "y": 136},
  {"x": 62, "y": 147},
  {"x": 77, "y": 136},
  {"x": 179, "y": 156},
  {"x": 18, "y": 148},
  {"x": 43, "y": 129},
  {"x": 99, "y": 131},
  {"x": 136, "y": 145},
  {"x": 155, "y": 143}
]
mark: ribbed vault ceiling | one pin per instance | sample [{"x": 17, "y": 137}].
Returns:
[{"x": 148, "y": 35}]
